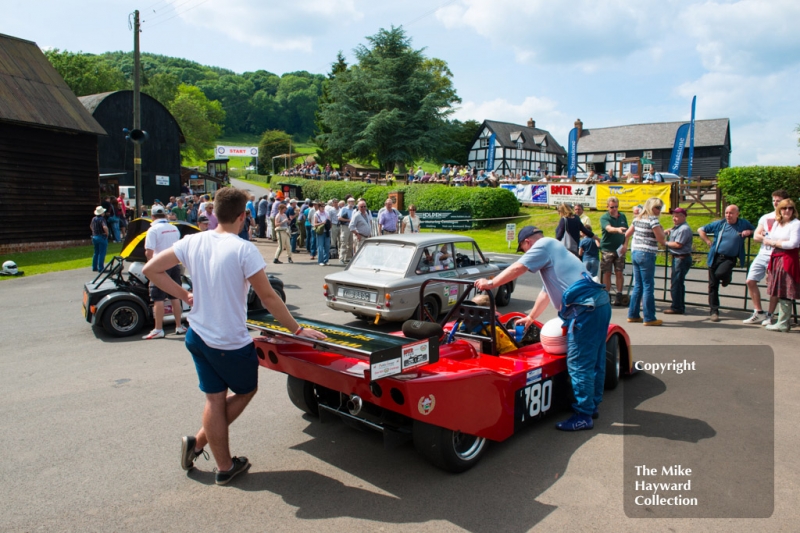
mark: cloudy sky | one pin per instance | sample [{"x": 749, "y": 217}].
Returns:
[{"x": 607, "y": 62}]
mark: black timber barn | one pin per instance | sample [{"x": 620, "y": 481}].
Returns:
[
  {"x": 600, "y": 148},
  {"x": 518, "y": 149},
  {"x": 48, "y": 154},
  {"x": 161, "y": 153}
]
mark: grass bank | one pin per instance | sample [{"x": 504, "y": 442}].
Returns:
[{"x": 33, "y": 263}]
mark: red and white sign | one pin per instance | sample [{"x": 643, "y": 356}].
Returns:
[
  {"x": 236, "y": 151},
  {"x": 572, "y": 193}
]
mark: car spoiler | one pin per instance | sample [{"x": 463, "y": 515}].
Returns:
[{"x": 388, "y": 355}]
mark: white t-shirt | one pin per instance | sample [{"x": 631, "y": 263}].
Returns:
[
  {"x": 765, "y": 222},
  {"x": 220, "y": 264},
  {"x": 161, "y": 235}
]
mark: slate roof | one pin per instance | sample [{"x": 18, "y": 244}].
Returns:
[
  {"x": 505, "y": 131},
  {"x": 661, "y": 135},
  {"x": 32, "y": 91}
]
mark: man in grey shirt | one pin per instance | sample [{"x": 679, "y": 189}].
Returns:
[
  {"x": 582, "y": 304},
  {"x": 679, "y": 244},
  {"x": 361, "y": 226}
]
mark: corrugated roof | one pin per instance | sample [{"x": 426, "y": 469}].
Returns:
[
  {"x": 533, "y": 136},
  {"x": 659, "y": 135},
  {"x": 32, "y": 91}
]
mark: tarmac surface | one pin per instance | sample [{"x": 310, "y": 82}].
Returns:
[{"x": 92, "y": 427}]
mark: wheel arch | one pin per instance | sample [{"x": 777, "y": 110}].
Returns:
[{"x": 109, "y": 299}]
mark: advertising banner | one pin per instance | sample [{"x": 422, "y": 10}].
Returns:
[
  {"x": 236, "y": 151},
  {"x": 572, "y": 193},
  {"x": 572, "y": 153},
  {"x": 630, "y": 195},
  {"x": 451, "y": 220},
  {"x": 677, "y": 148},
  {"x": 528, "y": 194},
  {"x": 691, "y": 141},
  {"x": 490, "y": 153}
]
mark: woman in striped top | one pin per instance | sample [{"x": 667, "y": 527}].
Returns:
[{"x": 647, "y": 235}]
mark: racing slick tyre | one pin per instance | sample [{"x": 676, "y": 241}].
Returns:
[
  {"x": 301, "y": 393},
  {"x": 123, "y": 318},
  {"x": 612, "y": 363},
  {"x": 503, "y": 297},
  {"x": 449, "y": 450}
]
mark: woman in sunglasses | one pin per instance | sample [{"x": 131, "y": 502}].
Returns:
[{"x": 783, "y": 272}]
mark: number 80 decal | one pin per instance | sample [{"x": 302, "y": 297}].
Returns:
[{"x": 537, "y": 399}]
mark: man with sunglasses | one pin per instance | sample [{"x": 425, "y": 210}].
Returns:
[
  {"x": 360, "y": 226},
  {"x": 613, "y": 225},
  {"x": 582, "y": 304}
]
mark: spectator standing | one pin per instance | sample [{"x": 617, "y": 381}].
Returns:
[
  {"x": 589, "y": 253},
  {"x": 585, "y": 220},
  {"x": 191, "y": 212},
  {"x": 261, "y": 217},
  {"x": 123, "y": 216},
  {"x": 321, "y": 224},
  {"x": 758, "y": 268},
  {"x": 301, "y": 224},
  {"x": 679, "y": 245},
  {"x": 212, "y": 219},
  {"x": 570, "y": 228},
  {"x": 783, "y": 281},
  {"x": 179, "y": 211},
  {"x": 345, "y": 235},
  {"x": 410, "y": 222},
  {"x": 613, "y": 225},
  {"x": 727, "y": 248},
  {"x": 251, "y": 206},
  {"x": 282, "y": 230},
  {"x": 331, "y": 209},
  {"x": 360, "y": 226},
  {"x": 113, "y": 219},
  {"x": 161, "y": 235},
  {"x": 647, "y": 235},
  {"x": 291, "y": 213},
  {"x": 311, "y": 244},
  {"x": 99, "y": 229},
  {"x": 272, "y": 214},
  {"x": 388, "y": 219}
]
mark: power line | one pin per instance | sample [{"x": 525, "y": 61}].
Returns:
[
  {"x": 178, "y": 13},
  {"x": 434, "y": 10}
]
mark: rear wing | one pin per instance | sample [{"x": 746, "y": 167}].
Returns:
[{"x": 388, "y": 355}]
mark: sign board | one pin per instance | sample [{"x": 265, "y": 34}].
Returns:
[
  {"x": 572, "y": 193},
  {"x": 449, "y": 220},
  {"x": 236, "y": 151},
  {"x": 528, "y": 194},
  {"x": 630, "y": 195},
  {"x": 162, "y": 180},
  {"x": 511, "y": 233}
]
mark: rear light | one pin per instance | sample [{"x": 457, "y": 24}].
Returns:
[
  {"x": 388, "y": 298},
  {"x": 93, "y": 309},
  {"x": 325, "y": 289}
]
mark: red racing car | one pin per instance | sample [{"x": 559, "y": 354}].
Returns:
[{"x": 442, "y": 385}]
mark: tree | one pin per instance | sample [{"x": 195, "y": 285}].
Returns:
[
  {"x": 325, "y": 154},
  {"x": 200, "y": 120},
  {"x": 86, "y": 74},
  {"x": 392, "y": 106},
  {"x": 272, "y": 143},
  {"x": 461, "y": 135},
  {"x": 163, "y": 87}
]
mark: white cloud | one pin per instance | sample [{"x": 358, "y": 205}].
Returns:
[
  {"x": 292, "y": 26},
  {"x": 543, "y": 110}
]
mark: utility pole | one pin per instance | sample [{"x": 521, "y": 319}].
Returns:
[{"x": 137, "y": 119}]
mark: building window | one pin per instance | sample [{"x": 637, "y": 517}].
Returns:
[
  {"x": 519, "y": 145},
  {"x": 481, "y": 163},
  {"x": 646, "y": 168},
  {"x": 484, "y": 142},
  {"x": 648, "y": 155}
]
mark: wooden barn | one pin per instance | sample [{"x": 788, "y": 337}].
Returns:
[
  {"x": 161, "y": 153},
  {"x": 605, "y": 148},
  {"x": 517, "y": 149},
  {"x": 48, "y": 154}
]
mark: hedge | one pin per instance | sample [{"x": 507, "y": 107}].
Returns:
[
  {"x": 750, "y": 187},
  {"x": 480, "y": 202}
]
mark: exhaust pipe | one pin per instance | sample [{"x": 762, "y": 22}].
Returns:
[{"x": 354, "y": 405}]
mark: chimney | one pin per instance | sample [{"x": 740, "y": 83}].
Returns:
[
  {"x": 531, "y": 123},
  {"x": 579, "y": 125}
]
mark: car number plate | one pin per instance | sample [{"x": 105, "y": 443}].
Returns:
[{"x": 355, "y": 294}]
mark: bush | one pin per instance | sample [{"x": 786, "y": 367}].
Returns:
[{"x": 750, "y": 188}]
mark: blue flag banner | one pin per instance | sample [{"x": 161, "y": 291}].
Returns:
[
  {"x": 490, "y": 153},
  {"x": 572, "y": 157},
  {"x": 691, "y": 141},
  {"x": 677, "y": 148}
]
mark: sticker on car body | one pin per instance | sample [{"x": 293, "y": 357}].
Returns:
[
  {"x": 415, "y": 354},
  {"x": 385, "y": 368}
]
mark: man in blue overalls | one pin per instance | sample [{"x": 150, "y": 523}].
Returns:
[{"x": 582, "y": 304}]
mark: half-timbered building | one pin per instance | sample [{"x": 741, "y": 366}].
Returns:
[
  {"x": 48, "y": 154},
  {"x": 511, "y": 149}
]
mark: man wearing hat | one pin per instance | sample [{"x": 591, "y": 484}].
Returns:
[
  {"x": 99, "y": 229},
  {"x": 679, "y": 244},
  {"x": 161, "y": 235},
  {"x": 581, "y": 303}
]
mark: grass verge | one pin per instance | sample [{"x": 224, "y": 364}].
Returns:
[{"x": 42, "y": 262}]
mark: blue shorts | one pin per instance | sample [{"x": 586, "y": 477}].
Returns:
[{"x": 220, "y": 370}]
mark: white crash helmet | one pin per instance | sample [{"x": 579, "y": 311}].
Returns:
[
  {"x": 10, "y": 268},
  {"x": 136, "y": 270},
  {"x": 552, "y": 336}
]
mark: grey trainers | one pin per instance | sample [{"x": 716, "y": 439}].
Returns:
[
  {"x": 188, "y": 454},
  {"x": 240, "y": 464}
]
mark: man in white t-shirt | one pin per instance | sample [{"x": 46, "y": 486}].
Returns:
[
  {"x": 758, "y": 268},
  {"x": 161, "y": 235},
  {"x": 223, "y": 267}
]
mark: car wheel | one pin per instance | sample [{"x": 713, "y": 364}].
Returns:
[
  {"x": 612, "y": 363},
  {"x": 503, "y": 297},
  {"x": 431, "y": 305},
  {"x": 123, "y": 319},
  {"x": 447, "y": 449},
  {"x": 302, "y": 395}
]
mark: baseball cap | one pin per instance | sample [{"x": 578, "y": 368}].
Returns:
[
  {"x": 158, "y": 210},
  {"x": 524, "y": 233},
  {"x": 680, "y": 211},
  {"x": 202, "y": 218}
]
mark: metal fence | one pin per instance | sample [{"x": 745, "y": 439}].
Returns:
[{"x": 734, "y": 297}]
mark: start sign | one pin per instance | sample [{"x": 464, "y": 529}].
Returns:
[{"x": 236, "y": 151}]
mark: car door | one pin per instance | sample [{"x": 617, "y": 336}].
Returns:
[{"x": 437, "y": 261}]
